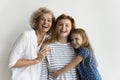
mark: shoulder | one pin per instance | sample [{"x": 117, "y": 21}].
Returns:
[
  {"x": 51, "y": 44},
  {"x": 84, "y": 52},
  {"x": 28, "y": 32},
  {"x": 25, "y": 34},
  {"x": 84, "y": 49}
]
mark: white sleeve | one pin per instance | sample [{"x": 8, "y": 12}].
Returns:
[{"x": 17, "y": 50}]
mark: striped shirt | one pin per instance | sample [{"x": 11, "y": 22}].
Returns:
[
  {"x": 59, "y": 56},
  {"x": 44, "y": 71}
]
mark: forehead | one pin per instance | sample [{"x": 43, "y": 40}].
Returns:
[
  {"x": 75, "y": 35},
  {"x": 46, "y": 15},
  {"x": 64, "y": 21}
]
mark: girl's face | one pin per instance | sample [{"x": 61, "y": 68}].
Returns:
[
  {"x": 64, "y": 27},
  {"x": 45, "y": 22},
  {"x": 76, "y": 40}
]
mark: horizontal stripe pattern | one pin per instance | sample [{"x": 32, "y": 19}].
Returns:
[
  {"x": 44, "y": 71},
  {"x": 59, "y": 56}
]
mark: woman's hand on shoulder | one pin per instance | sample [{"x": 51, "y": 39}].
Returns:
[{"x": 42, "y": 53}]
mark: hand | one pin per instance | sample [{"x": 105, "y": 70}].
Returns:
[
  {"x": 55, "y": 73},
  {"x": 42, "y": 54}
]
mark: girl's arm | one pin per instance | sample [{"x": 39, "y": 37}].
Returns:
[{"x": 68, "y": 67}]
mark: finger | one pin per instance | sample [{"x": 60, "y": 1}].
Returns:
[
  {"x": 45, "y": 51},
  {"x": 42, "y": 50}
]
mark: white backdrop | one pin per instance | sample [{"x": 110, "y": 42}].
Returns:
[{"x": 100, "y": 18}]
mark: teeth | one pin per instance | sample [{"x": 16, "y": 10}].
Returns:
[
  {"x": 63, "y": 31},
  {"x": 45, "y": 26}
]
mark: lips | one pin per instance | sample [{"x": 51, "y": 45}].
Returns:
[
  {"x": 74, "y": 45},
  {"x": 63, "y": 31},
  {"x": 45, "y": 26}
]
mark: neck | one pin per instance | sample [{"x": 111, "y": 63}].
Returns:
[
  {"x": 40, "y": 36},
  {"x": 62, "y": 40},
  {"x": 39, "y": 33}
]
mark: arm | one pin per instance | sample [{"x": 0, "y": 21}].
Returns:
[
  {"x": 68, "y": 67},
  {"x": 24, "y": 63}
]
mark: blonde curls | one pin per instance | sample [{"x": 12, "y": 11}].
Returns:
[{"x": 34, "y": 19}]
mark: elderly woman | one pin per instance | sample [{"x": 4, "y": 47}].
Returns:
[{"x": 26, "y": 57}]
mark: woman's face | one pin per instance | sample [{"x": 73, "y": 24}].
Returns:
[
  {"x": 64, "y": 27},
  {"x": 45, "y": 22},
  {"x": 76, "y": 40}
]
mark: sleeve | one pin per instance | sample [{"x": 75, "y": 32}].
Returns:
[
  {"x": 17, "y": 50},
  {"x": 83, "y": 52}
]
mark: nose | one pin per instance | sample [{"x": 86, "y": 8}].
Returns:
[
  {"x": 45, "y": 21},
  {"x": 63, "y": 27}
]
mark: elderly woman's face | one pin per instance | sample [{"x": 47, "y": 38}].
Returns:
[{"x": 45, "y": 22}]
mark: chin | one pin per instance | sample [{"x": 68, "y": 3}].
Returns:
[
  {"x": 46, "y": 31},
  {"x": 76, "y": 47}
]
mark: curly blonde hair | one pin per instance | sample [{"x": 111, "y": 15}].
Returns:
[{"x": 36, "y": 15}]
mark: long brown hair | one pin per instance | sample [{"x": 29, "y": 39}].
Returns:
[
  {"x": 86, "y": 42},
  {"x": 54, "y": 36}
]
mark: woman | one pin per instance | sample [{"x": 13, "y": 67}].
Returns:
[
  {"x": 61, "y": 52},
  {"x": 26, "y": 56}
]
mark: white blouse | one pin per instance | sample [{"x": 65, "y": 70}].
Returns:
[{"x": 25, "y": 47}]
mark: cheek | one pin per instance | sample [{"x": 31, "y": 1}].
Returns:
[
  {"x": 69, "y": 30},
  {"x": 50, "y": 24},
  {"x": 72, "y": 42},
  {"x": 57, "y": 29},
  {"x": 39, "y": 24}
]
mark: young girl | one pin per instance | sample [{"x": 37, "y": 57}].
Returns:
[
  {"x": 85, "y": 59},
  {"x": 61, "y": 51}
]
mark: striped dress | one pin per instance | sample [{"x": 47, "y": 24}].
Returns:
[{"x": 59, "y": 56}]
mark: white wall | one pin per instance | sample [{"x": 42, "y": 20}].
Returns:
[{"x": 100, "y": 18}]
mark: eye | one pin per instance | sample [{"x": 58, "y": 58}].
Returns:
[
  {"x": 42, "y": 19},
  {"x": 77, "y": 38},
  {"x": 49, "y": 20},
  {"x": 60, "y": 24},
  {"x": 67, "y": 25}
]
